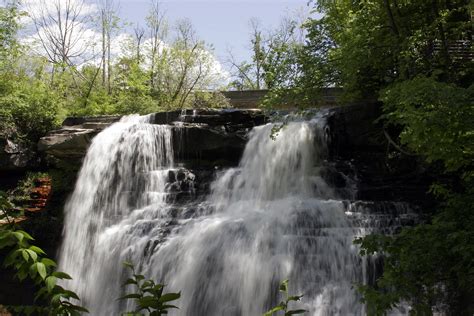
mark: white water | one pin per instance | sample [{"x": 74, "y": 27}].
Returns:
[{"x": 271, "y": 218}]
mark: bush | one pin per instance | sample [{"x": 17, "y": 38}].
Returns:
[{"x": 32, "y": 109}]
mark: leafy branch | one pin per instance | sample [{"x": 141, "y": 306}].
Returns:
[
  {"x": 149, "y": 295},
  {"x": 283, "y": 305},
  {"x": 30, "y": 261}
]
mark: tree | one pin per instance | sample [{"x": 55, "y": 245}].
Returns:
[
  {"x": 61, "y": 27},
  {"x": 183, "y": 66},
  {"x": 9, "y": 26},
  {"x": 158, "y": 30},
  {"x": 274, "y": 56},
  {"x": 108, "y": 24},
  {"x": 139, "y": 33}
]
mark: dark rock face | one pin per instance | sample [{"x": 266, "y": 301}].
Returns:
[
  {"x": 205, "y": 139},
  {"x": 358, "y": 146},
  {"x": 208, "y": 135}
]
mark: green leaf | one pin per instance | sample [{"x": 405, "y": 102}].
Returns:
[
  {"x": 80, "y": 308},
  {"x": 24, "y": 253},
  {"x": 139, "y": 277},
  {"x": 70, "y": 294},
  {"x": 18, "y": 235},
  {"x": 48, "y": 262},
  {"x": 130, "y": 281},
  {"x": 33, "y": 270},
  {"x": 37, "y": 250},
  {"x": 32, "y": 254},
  {"x": 274, "y": 310},
  {"x": 61, "y": 275},
  {"x": 41, "y": 269},
  {"x": 168, "y": 297},
  {"x": 22, "y": 274},
  {"x": 42, "y": 291},
  {"x": 50, "y": 283},
  {"x": 169, "y": 306},
  {"x": 148, "y": 302},
  {"x": 158, "y": 287},
  {"x": 25, "y": 235},
  {"x": 294, "y": 298},
  {"x": 129, "y": 296},
  {"x": 128, "y": 264}
]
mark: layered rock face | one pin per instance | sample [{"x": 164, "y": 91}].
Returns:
[
  {"x": 208, "y": 139},
  {"x": 204, "y": 135}
]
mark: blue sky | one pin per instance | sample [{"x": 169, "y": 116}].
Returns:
[{"x": 223, "y": 23}]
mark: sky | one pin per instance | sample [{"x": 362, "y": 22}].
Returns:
[{"x": 222, "y": 23}]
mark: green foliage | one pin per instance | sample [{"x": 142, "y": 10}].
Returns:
[
  {"x": 283, "y": 305},
  {"x": 204, "y": 99},
  {"x": 28, "y": 106},
  {"x": 365, "y": 46},
  {"x": 9, "y": 46},
  {"x": 437, "y": 120},
  {"x": 376, "y": 43},
  {"x": 149, "y": 296},
  {"x": 31, "y": 262}
]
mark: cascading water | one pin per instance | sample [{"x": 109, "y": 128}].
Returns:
[
  {"x": 122, "y": 172},
  {"x": 271, "y": 218}
]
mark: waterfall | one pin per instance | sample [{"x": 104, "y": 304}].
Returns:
[
  {"x": 273, "y": 217},
  {"x": 125, "y": 170}
]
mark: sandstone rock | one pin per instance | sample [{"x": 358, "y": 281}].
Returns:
[{"x": 67, "y": 143}]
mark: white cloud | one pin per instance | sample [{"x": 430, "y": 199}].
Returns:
[{"x": 86, "y": 39}]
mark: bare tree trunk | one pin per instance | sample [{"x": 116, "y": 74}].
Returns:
[
  {"x": 103, "y": 47},
  {"x": 139, "y": 33}
]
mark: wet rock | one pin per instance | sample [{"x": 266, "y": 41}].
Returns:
[{"x": 200, "y": 142}]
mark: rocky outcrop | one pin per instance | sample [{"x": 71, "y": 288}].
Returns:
[
  {"x": 210, "y": 138},
  {"x": 202, "y": 134},
  {"x": 70, "y": 142}
]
